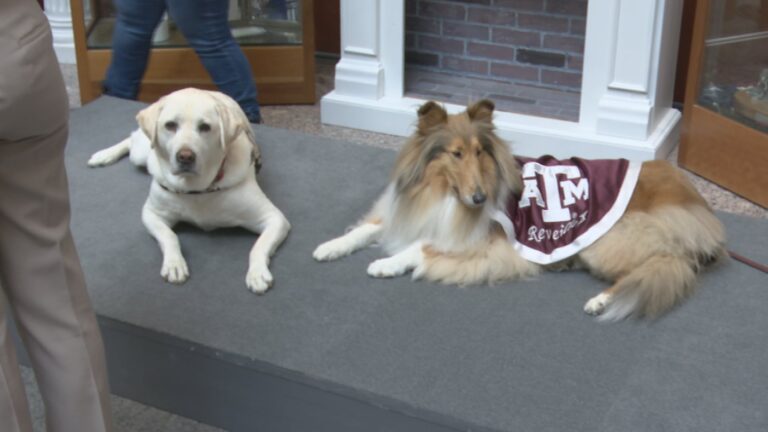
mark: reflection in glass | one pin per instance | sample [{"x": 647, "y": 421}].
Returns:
[
  {"x": 253, "y": 22},
  {"x": 734, "y": 80}
]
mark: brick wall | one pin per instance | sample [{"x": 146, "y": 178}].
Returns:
[{"x": 538, "y": 42}]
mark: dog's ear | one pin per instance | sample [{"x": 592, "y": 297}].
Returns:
[
  {"x": 509, "y": 169},
  {"x": 147, "y": 119},
  {"x": 481, "y": 111},
  {"x": 233, "y": 122},
  {"x": 431, "y": 114}
]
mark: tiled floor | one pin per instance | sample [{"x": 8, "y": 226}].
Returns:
[{"x": 131, "y": 416}]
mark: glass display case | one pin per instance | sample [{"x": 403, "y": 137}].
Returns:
[
  {"x": 275, "y": 35},
  {"x": 734, "y": 76},
  {"x": 725, "y": 118}
]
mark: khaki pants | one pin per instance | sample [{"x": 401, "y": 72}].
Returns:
[{"x": 40, "y": 273}]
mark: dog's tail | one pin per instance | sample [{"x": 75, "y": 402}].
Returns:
[
  {"x": 110, "y": 155},
  {"x": 649, "y": 290},
  {"x": 663, "y": 280},
  {"x": 497, "y": 261}
]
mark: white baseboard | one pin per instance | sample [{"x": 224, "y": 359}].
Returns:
[{"x": 530, "y": 136}]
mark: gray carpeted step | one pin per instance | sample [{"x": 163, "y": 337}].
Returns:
[{"x": 329, "y": 348}]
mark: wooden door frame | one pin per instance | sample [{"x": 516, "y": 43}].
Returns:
[{"x": 718, "y": 148}]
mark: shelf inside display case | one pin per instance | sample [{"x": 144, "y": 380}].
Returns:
[
  {"x": 276, "y": 36},
  {"x": 735, "y": 78}
]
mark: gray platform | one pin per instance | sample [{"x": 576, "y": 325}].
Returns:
[{"x": 329, "y": 348}]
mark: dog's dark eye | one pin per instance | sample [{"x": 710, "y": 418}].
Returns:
[
  {"x": 456, "y": 154},
  {"x": 171, "y": 126},
  {"x": 478, "y": 152},
  {"x": 204, "y": 127}
]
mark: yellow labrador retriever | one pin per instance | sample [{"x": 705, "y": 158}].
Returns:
[{"x": 202, "y": 155}]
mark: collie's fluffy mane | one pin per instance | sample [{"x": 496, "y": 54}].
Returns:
[{"x": 420, "y": 192}]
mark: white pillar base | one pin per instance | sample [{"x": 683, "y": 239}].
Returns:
[{"x": 528, "y": 136}]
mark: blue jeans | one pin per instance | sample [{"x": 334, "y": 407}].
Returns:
[{"x": 204, "y": 24}]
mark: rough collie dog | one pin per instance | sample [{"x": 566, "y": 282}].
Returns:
[{"x": 445, "y": 215}]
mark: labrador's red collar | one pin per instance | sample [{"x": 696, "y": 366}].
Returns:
[{"x": 219, "y": 175}]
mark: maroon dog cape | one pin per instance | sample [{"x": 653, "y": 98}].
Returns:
[{"x": 566, "y": 205}]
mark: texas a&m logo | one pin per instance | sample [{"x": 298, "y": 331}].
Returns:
[{"x": 559, "y": 193}]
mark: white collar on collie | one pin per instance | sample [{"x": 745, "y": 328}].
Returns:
[{"x": 450, "y": 178}]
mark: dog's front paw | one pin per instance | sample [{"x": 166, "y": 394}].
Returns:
[
  {"x": 103, "y": 157},
  {"x": 596, "y": 305},
  {"x": 174, "y": 269},
  {"x": 330, "y": 250},
  {"x": 419, "y": 271},
  {"x": 386, "y": 267},
  {"x": 258, "y": 279}
]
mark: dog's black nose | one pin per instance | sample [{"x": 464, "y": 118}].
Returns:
[
  {"x": 478, "y": 197},
  {"x": 185, "y": 156}
]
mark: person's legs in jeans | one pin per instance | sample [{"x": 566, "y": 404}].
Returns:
[
  {"x": 131, "y": 42},
  {"x": 277, "y": 9},
  {"x": 205, "y": 26}
]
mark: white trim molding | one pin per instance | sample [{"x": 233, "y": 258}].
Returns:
[
  {"x": 626, "y": 96},
  {"x": 59, "y": 16}
]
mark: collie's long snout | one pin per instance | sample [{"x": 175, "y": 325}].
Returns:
[
  {"x": 479, "y": 196},
  {"x": 473, "y": 185}
]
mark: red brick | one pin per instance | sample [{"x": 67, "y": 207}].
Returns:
[
  {"x": 516, "y": 72},
  {"x": 569, "y": 44},
  {"x": 578, "y": 27},
  {"x": 560, "y": 78},
  {"x": 575, "y": 62},
  {"x": 422, "y": 25},
  {"x": 410, "y": 40},
  {"x": 421, "y": 58},
  {"x": 479, "y": 67},
  {"x": 516, "y": 37},
  {"x": 493, "y": 16},
  {"x": 477, "y": 2},
  {"x": 498, "y": 52},
  {"x": 440, "y": 44},
  {"x": 411, "y": 7},
  {"x": 542, "y": 22},
  {"x": 467, "y": 31},
  {"x": 540, "y": 58},
  {"x": 429, "y": 9},
  {"x": 525, "y": 5},
  {"x": 568, "y": 7}
]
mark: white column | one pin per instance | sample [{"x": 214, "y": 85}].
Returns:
[
  {"x": 360, "y": 72},
  {"x": 627, "y": 83},
  {"x": 629, "y": 66},
  {"x": 370, "y": 71},
  {"x": 60, "y": 17}
]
